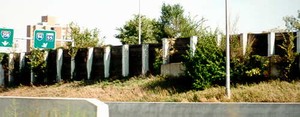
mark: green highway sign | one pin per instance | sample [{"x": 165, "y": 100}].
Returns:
[
  {"x": 44, "y": 39},
  {"x": 6, "y": 38}
]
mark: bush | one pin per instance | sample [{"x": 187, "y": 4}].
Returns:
[
  {"x": 38, "y": 65},
  {"x": 249, "y": 69},
  {"x": 207, "y": 65},
  {"x": 286, "y": 63},
  {"x": 245, "y": 67}
]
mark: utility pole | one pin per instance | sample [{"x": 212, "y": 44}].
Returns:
[{"x": 227, "y": 52}]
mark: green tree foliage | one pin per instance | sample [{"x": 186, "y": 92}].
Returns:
[
  {"x": 171, "y": 24},
  {"x": 129, "y": 32},
  {"x": 174, "y": 23},
  {"x": 292, "y": 23},
  {"x": 171, "y": 19},
  {"x": 84, "y": 38}
]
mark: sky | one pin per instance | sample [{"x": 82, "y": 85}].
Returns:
[{"x": 108, "y": 15}]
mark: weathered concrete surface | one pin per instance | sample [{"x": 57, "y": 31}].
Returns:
[
  {"x": 131, "y": 109},
  {"x": 51, "y": 107},
  {"x": 172, "y": 69}
]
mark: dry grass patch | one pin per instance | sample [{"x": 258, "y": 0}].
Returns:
[{"x": 161, "y": 89}]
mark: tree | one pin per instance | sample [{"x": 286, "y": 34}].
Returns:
[
  {"x": 292, "y": 23},
  {"x": 129, "y": 32},
  {"x": 171, "y": 24},
  {"x": 84, "y": 38},
  {"x": 174, "y": 24}
]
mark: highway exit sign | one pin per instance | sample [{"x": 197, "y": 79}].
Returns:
[
  {"x": 6, "y": 38},
  {"x": 44, "y": 39}
]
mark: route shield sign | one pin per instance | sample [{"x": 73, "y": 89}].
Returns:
[
  {"x": 6, "y": 37},
  {"x": 44, "y": 39}
]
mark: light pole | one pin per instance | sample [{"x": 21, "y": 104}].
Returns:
[
  {"x": 140, "y": 22},
  {"x": 227, "y": 51}
]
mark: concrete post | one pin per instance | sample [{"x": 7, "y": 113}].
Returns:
[
  {"x": 298, "y": 46},
  {"x": 89, "y": 62},
  {"x": 145, "y": 58},
  {"x": 106, "y": 60},
  {"x": 193, "y": 44},
  {"x": 244, "y": 40},
  {"x": 1, "y": 75},
  {"x": 59, "y": 60},
  {"x": 10, "y": 66},
  {"x": 271, "y": 43},
  {"x": 298, "y": 41},
  {"x": 32, "y": 80},
  {"x": 72, "y": 66},
  {"x": 125, "y": 60},
  {"x": 22, "y": 60},
  {"x": 46, "y": 55},
  {"x": 219, "y": 39},
  {"x": 165, "y": 51}
]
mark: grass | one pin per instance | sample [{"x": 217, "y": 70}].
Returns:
[{"x": 161, "y": 89}]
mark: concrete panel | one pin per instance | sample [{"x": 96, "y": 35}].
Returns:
[
  {"x": 153, "y": 51},
  {"x": 181, "y": 46},
  {"x": 119, "y": 109},
  {"x": 52, "y": 107},
  {"x": 97, "y": 72},
  {"x": 172, "y": 69},
  {"x": 135, "y": 60},
  {"x": 66, "y": 65}
]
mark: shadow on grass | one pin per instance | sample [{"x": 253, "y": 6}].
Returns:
[
  {"x": 176, "y": 84},
  {"x": 113, "y": 79}
]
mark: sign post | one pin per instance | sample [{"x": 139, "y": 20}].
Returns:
[
  {"x": 6, "y": 38},
  {"x": 44, "y": 39}
]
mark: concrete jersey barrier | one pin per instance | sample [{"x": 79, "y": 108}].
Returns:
[
  {"x": 163, "y": 109},
  {"x": 51, "y": 107}
]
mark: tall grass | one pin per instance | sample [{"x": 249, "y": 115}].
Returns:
[{"x": 163, "y": 89}]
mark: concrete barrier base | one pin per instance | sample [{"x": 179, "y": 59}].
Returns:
[
  {"x": 165, "y": 109},
  {"x": 51, "y": 107},
  {"x": 172, "y": 69}
]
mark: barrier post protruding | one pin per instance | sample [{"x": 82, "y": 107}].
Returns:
[
  {"x": 244, "y": 40},
  {"x": 106, "y": 60},
  {"x": 89, "y": 62},
  {"x": 271, "y": 43},
  {"x": 165, "y": 51},
  {"x": 145, "y": 58},
  {"x": 125, "y": 60},
  {"x": 193, "y": 44},
  {"x": 59, "y": 60}
]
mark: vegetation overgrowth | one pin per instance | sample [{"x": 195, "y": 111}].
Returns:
[{"x": 161, "y": 89}]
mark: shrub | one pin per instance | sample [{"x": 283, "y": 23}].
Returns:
[
  {"x": 249, "y": 69},
  {"x": 286, "y": 62},
  {"x": 245, "y": 67},
  {"x": 38, "y": 65},
  {"x": 207, "y": 65}
]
